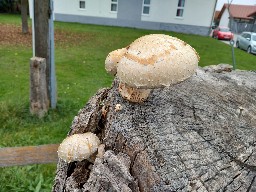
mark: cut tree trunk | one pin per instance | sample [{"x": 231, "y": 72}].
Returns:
[
  {"x": 39, "y": 102},
  {"x": 198, "y": 135}
]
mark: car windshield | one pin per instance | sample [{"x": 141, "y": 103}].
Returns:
[
  {"x": 224, "y": 29},
  {"x": 254, "y": 37}
]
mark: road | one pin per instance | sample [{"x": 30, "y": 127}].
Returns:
[{"x": 227, "y": 42}]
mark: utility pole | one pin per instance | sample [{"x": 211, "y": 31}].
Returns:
[
  {"x": 53, "y": 84},
  {"x": 230, "y": 16}
]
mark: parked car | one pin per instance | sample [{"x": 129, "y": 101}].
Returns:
[
  {"x": 222, "y": 33},
  {"x": 247, "y": 41}
]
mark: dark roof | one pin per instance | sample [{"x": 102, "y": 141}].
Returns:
[
  {"x": 253, "y": 14},
  {"x": 239, "y": 11}
]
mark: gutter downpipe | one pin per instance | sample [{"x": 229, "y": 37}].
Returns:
[{"x": 33, "y": 28}]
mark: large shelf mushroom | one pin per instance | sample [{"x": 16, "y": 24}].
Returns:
[{"x": 151, "y": 61}]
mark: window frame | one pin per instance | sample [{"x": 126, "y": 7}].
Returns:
[
  {"x": 248, "y": 36},
  {"x": 145, "y": 5},
  {"x": 243, "y": 35},
  {"x": 112, "y": 2},
  {"x": 180, "y": 7},
  {"x": 80, "y": 4}
]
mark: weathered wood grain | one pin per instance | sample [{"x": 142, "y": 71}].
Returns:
[
  {"x": 41, "y": 26},
  {"x": 11, "y": 156},
  {"x": 39, "y": 101},
  {"x": 198, "y": 135}
]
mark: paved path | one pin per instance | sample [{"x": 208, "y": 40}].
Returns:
[{"x": 227, "y": 42}]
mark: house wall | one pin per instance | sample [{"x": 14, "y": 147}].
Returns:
[
  {"x": 224, "y": 20},
  {"x": 94, "y": 8},
  {"x": 196, "y": 20},
  {"x": 196, "y": 12},
  {"x": 129, "y": 10}
]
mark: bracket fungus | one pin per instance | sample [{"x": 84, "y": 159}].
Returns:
[
  {"x": 151, "y": 61},
  {"x": 113, "y": 59},
  {"x": 78, "y": 147}
]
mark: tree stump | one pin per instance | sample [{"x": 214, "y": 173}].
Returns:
[
  {"x": 39, "y": 102},
  {"x": 198, "y": 135}
]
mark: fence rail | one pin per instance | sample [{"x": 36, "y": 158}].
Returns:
[
  {"x": 11, "y": 156},
  {"x": 239, "y": 27}
]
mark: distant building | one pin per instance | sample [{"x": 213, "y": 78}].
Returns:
[
  {"x": 240, "y": 18},
  {"x": 186, "y": 16}
]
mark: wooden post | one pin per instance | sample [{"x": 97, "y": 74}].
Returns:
[{"x": 39, "y": 101}]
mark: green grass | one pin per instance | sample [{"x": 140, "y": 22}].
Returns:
[
  {"x": 31, "y": 178},
  {"x": 80, "y": 73}
]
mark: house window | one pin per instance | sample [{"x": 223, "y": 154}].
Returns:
[
  {"x": 180, "y": 9},
  {"x": 146, "y": 7},
  {"x": 82, "y": 4},
  {"x": 114, "y": 5}
]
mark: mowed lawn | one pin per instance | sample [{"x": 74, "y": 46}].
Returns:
[{"x": 80, "y": 52}]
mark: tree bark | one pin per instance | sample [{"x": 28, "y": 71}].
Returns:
[
  {"x": 198, "y": 135},
  {"x": 41, "y": 25},
  {"x": 39, "y": 102},
  {"x": 24, "y": 16}
]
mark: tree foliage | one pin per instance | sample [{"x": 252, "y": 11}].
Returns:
[{"x": 9, "y": 6}]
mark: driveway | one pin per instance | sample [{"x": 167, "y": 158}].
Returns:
[
  {"x": 227, "y": 42},
  {"x": 235, "y": 38}
]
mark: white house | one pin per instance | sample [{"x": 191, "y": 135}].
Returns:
[
  {"x": 239, "y": 17},
  {"x": 187, "y": 16}
]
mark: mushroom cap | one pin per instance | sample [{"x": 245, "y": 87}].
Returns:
[
  {"x": 113, "y": 59},
  {"x": 78, "y": 147},
  {"x": 157, "y": 60}
]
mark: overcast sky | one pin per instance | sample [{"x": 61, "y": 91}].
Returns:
[{"x": 241, "y": 2}]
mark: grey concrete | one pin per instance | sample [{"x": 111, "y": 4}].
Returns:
[
  {"x": 225, "y": 41},
  {"x": 228, "y": 42},
  {"x": 124, "y": 21}
]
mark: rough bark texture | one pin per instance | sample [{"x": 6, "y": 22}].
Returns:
[
  {"x": 198, "y": 135},
  {"x": 39, "y": 102},
  {"x": 41, "y": 26},
  {"x": 24, "y": 16}
]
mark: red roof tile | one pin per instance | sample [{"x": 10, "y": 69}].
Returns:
[
  {"x": 252, "y": 14},
  {"x": 239, "y": 11}
]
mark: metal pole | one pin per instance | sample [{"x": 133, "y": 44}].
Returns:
[
  {"x": 232, "y": 42},
  {"x": 52, "y": 64},
  {"x": 33, "y": 27}
]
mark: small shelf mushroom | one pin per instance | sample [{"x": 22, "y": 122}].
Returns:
[
  {"x": 113, "y": 59},
  {"x": 151, "y": 61},
  {"x": 78, "y": 147}
]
